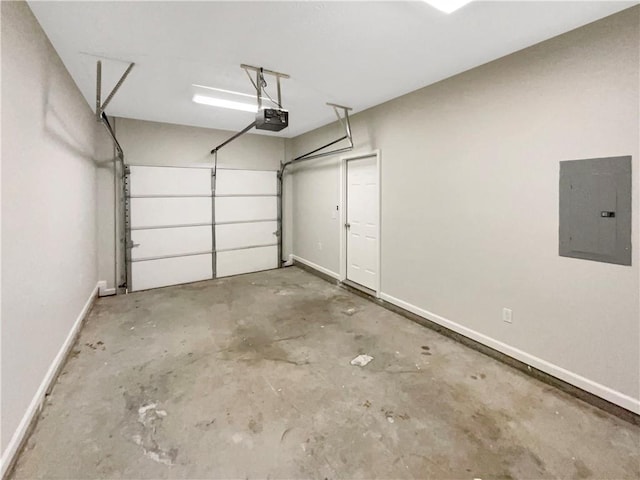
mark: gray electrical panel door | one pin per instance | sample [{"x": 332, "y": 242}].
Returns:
[{"x": 595, "y": 209}]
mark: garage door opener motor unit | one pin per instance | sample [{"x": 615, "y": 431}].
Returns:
[{"x": 272, "y": 119}]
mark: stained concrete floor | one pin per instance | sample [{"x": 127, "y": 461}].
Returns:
[{"x": 250, "y": 377}]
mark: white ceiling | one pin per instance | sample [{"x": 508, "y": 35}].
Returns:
[{"x": 358, "y": 54}]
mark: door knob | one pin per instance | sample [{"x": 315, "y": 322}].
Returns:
[{"x": 348, "y": 225}]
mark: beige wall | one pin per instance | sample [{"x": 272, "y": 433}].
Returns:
[
  {"x": 50, "y": 146},
  {"x": 470, "y": 170},
  {"x": 152, "y": 143}
]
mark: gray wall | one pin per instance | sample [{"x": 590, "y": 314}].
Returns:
[
  {"x": 50, "y": 146},
  {"x": 470, "y": 170},
  {"x": 152, "y": 143}
]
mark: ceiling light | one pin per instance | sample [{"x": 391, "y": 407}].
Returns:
[
  {"x": 231, "y": 92},
  {"x": 448, "y": 6},
  {"x": 219, "y": 102}
]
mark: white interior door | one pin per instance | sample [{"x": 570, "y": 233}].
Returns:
[
  {"x": 246, "y": 214},
  {"x": 171, "y": 226},
  {"x": 362, "y": 221}
]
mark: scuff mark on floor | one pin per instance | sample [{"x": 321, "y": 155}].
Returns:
[
  {"x": 284, "y": 434},
  {"x": 155, "y": 453},
  {"x": 147, "y": 414},
  {"x": 150, "y": 418},
  {"x": 284, "y": 292}
]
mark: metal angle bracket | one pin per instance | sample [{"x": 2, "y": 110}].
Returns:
[
  {"x": 101, "y": 116},
  {"x": 260, "y": 83},
  {"x": 317, "y": 153},
  {"x": 125, "y": 231},
  {"x": 100, "y": 106},
  {"x": 127, "y": 242},
  {"x": 345, "y": 117},
  {"x": 344, "y": 120}
]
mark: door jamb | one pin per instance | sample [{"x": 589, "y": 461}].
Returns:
[{"x": 343, "y": 214}]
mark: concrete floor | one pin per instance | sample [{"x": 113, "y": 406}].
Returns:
[{"x": 249, "y": 377}]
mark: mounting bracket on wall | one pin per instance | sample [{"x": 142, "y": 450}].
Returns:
[
  {"x": 316, "y": 153},
  {"x": 124, "y": 230},
  {"x": 101, "y": 116},
  {"x": 273, "y": 119}
]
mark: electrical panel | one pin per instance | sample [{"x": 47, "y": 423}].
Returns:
[
  {"x": 272, "y": 119},
  {"x": 595, "y": 209}
]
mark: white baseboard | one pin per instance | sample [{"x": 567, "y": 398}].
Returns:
[
  {"x": 326, "y": 271},
  {"x": 613, "y": 396},
  {"x": 36, "y": 403},
  {"x": 602, "y": 391},
  {"x": 103, "y": 291}
]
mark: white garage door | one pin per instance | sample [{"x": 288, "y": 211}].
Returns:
[
  {"x": 171, "y": 217},
  {"x": 246, "y": 217},
  {"x": 171, "y": 226}
]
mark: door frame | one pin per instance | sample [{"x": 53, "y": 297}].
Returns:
[{"x": 343, "y": 215}]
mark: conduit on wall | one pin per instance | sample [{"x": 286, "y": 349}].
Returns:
[{"x": 315, "y": 153}]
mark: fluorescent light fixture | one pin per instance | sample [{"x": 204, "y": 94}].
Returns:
[
  {"x": 223, "y": 90},
  {"x": 447, "y": 6},
  {"x": 219, "y": 102},
  {"x": 231, "y": 92}
]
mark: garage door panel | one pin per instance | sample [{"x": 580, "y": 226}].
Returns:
[
  {"x": 246, "y": 209},
  {"x": 171, "y": 217},
  {"x": 242, "y": 235},
  {"x": 246, "y": 182},
  {"x": 170, "y": 271},
  {"x": 169, "y": 181},
  {"x": 159, "y": 212},
  {"x": 235, "y": 262},
  {"x": 159, "y": 242}
]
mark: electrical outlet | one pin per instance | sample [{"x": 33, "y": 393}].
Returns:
[
  {"x": 319, "y": 245},
  {"x": 506, "y": 315}
]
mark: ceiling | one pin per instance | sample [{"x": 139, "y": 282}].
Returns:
[{"x": 358, "y": 53}]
